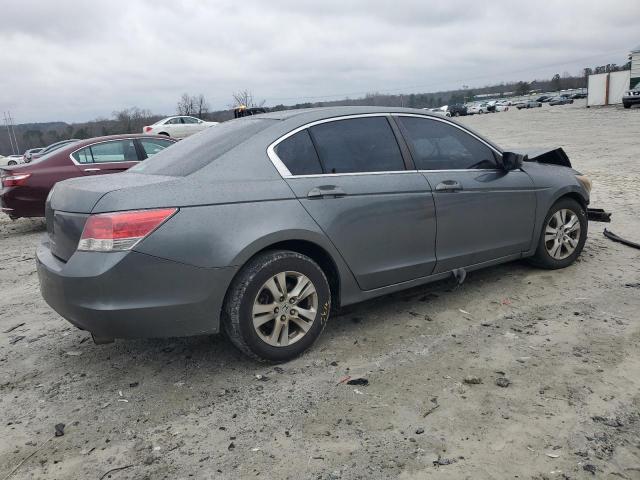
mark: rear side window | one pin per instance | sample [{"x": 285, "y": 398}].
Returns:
[
  {"x": 83, "y": 156},
  {"x": 357, "y": 145},
  {"x": 299, "y": 155},
  {"x": 437, "y": 145},
  {"x": 151, "y": 146}
]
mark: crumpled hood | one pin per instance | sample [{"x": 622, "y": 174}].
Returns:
[{"x": 550, "y": 155}]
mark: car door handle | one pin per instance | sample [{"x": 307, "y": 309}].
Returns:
[
  {"x": 449, "y": 186},
  {"x": 91, "y": 169},
  {"x": 323, "y": 191}
]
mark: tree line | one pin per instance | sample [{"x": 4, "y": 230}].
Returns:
[{"x": 133, "y": 119}]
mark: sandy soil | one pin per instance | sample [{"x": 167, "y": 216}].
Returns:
[{"x": 568, "y": 341}]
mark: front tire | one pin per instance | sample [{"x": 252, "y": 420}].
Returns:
[
  {"x": 563, "y": 235},
  {"x": 12, "y": 163},
  {"x": 277, "y": 306}
]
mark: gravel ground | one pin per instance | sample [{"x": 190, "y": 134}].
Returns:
[{"x": 564, "y": 347}]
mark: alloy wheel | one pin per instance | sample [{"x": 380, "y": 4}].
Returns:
[
  {"x": 562, "y": 234},
  {"x": 285, "y": 308}
]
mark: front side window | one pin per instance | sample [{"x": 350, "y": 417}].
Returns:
[
  {"x": 438, "y": 145},
  {"x": 115, "y": 151},
  {"x": 299, "y": 155},
  {"x": 151, "y": 146},
  {"x": 357, "y": 145}
]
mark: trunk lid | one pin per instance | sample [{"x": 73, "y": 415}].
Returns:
[{"x": 71, "y": 202}]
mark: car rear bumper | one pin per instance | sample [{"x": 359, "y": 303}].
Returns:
[
  {"x": 16, "y": 204},
  {"x": 131, "y": 294}
]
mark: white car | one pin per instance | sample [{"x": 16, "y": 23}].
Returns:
[
  {"x": 179, "y": 126},
  {"x": 11, "y": 160},
  {"x": 477, "y": 108}
]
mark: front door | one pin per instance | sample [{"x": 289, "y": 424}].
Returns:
[
  {"x": 483, "y": 212},
  {"x": 350, "y": 176}
]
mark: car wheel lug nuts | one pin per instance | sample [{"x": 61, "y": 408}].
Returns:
[{"x": 283, "y": 318}]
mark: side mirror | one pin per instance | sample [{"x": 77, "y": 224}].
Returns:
[{"x": 512, "y": 161}]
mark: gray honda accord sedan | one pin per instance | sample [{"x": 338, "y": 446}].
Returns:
[{"x": 262, "y": 226}]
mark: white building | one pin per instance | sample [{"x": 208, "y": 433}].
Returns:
[{"x": 634, "y": 56}]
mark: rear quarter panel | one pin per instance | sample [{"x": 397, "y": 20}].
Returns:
[{"x": 230, "y": 234}]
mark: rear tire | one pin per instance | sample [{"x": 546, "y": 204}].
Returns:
[
  {"x": 626, "y": 105},
  {"x": 12, "y": 163},
  {"x": 270, "y": 326},
  {"x": 563, "y": 235},
  {"x": 164, "y": 134}
]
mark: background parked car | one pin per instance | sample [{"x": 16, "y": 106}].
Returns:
[
  {"x": 560, "y": 101},
  {"x": 631, "y": 97},
  {"x": 528, "y": 104},
  {"x": 50, "y": 148},
  {"x": 477, "y": 108},
  {"x": 25, "y": 187},
  {"x": 456, "y": 110},
  {"x": 29, "y": 153},
  {"x": 11, "y": 160},
  {"x": 179, "y": 126}
]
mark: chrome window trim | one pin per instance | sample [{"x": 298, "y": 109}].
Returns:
[
  {"x": 285, "y": 173},
  {"x": 98, "y": 143}
]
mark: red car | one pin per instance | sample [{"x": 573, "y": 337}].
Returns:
[{"x": 25, "y": 187}]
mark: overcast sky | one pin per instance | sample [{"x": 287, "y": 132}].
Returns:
[{"x": 78, "y": 60}]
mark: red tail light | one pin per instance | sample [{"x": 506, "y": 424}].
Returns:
[
  {"x": 108, "y": 232},
  {"x": 147, "y": 129},
  {"x": 15, "y": 180}
]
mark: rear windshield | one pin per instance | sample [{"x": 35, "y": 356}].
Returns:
[{"x": 192, "y": 154}]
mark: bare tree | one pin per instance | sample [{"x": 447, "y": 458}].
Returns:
[
  {"x": 245, "y": 97},
  {"x": 131, "y": 120},
  {"x": 192, "y": 105},
  {"x": 201, "y": 107},
  {"x": 186, "y": 105}
]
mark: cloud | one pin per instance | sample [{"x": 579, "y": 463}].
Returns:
[{"x": 75, "y": 61}]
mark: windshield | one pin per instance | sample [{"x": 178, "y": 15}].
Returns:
[{"x": 188, "y": 156}]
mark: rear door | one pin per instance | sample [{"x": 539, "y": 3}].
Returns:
[
  {"x": 484, "y": 212},
  {"x": 350, "y": 175},
  {"x": 111, "y": 156}
]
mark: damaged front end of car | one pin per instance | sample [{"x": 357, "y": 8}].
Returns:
[{"x": 557, "y": 156}]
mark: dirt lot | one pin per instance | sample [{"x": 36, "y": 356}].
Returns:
[{"x": 568, "y": 341}]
